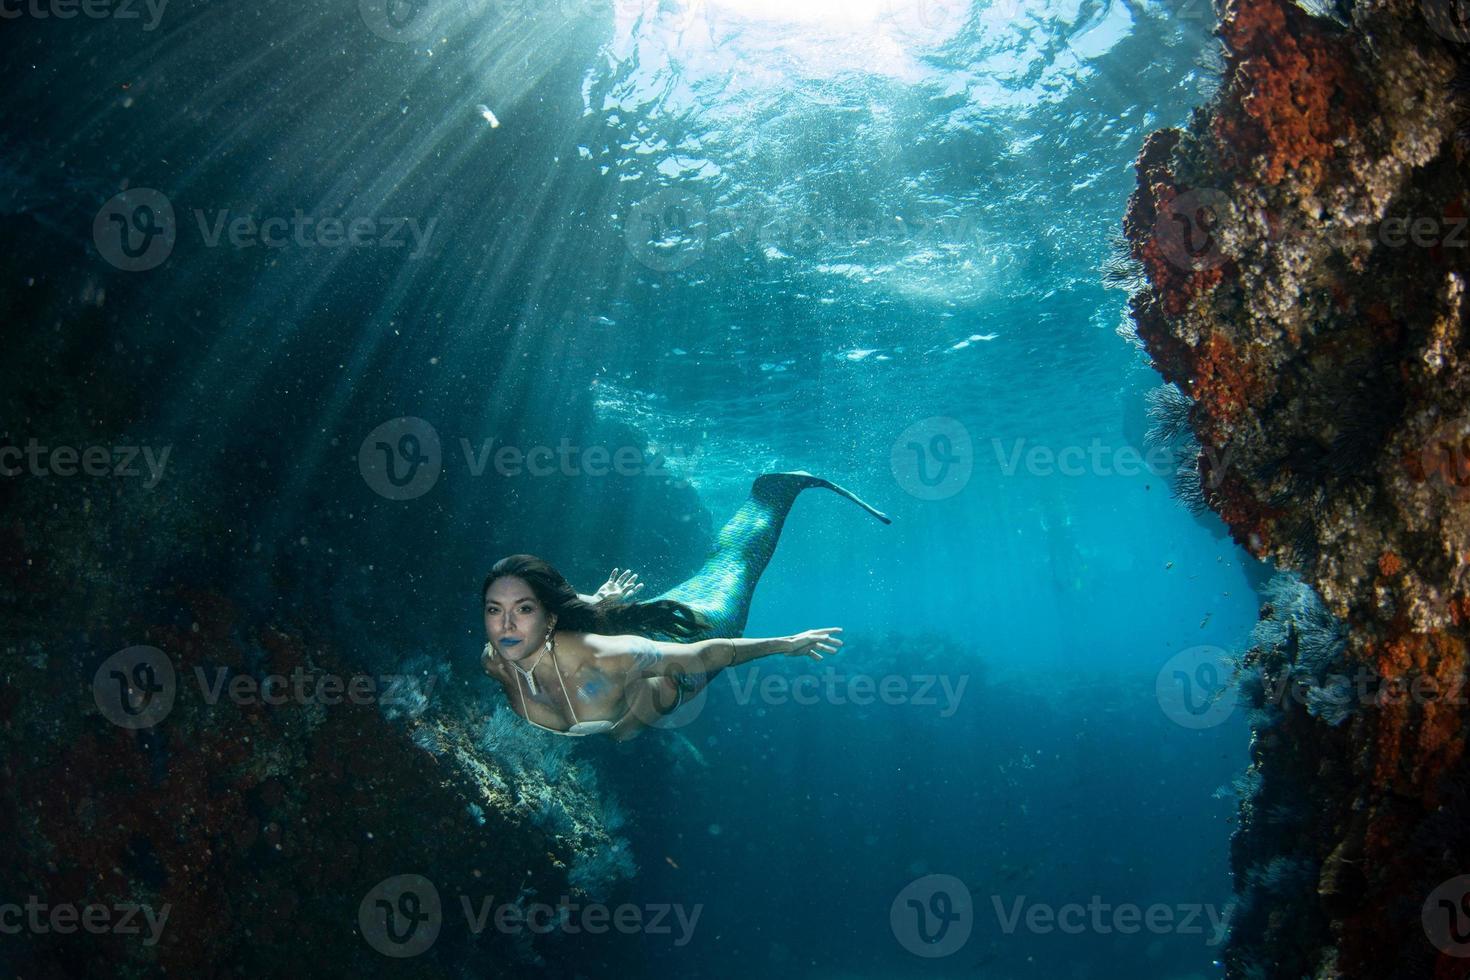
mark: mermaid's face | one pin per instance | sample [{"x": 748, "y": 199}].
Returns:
[{"x": 515, "y": 620}]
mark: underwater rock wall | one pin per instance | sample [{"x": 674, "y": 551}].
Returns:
[
  {"x": 258, "y": 822},
  {"x": 1302, "y": 249},
  {"x": 254, "y": 819}
]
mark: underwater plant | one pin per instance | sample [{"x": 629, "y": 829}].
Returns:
[
  {"x": 1186, "y": 483},
  {"x": 1308, "y": 643},
  {"x": 509, "y": 740},
  {"x": 411, "y": 693},
  {"x": 594, "y": 872},
  {"x": 552, "y": 758},
  {"x": 1169, "y": 410},
  {"x": 1282, "y": 875},
  {"x": 551, "y": 815},
  {"x": 1121, "y": 270}
]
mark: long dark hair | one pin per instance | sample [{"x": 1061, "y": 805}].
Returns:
[{"x": 555, "y": 593}]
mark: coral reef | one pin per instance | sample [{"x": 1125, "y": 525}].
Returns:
[
  {"x": 1304, "y": 246},
  {"x": 261, "y": 826}
]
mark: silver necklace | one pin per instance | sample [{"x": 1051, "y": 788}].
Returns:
[{"x": 530, "y": 674}]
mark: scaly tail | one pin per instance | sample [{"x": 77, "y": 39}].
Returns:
[{"x": 723, "y": 587}]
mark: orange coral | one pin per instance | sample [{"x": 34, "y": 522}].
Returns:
[
  {"x": 1287, "y": 76},
  {"x": 1418, "y": 732},
  {"x": 1389, "y": 564}
]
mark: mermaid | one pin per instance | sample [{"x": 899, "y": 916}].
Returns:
[{"x": 577, "y": 664}]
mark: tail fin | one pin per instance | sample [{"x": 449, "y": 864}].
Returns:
[
  {"x": 722, "y": 588},
  {"x": 800, "y": 480}
]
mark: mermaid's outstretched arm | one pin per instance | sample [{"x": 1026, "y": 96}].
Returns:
[
  {"x": 723, "y": 586},
  {"x": 629, "y": 654}
]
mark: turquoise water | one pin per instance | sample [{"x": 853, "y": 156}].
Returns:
[{"x": 743, "y": 238}]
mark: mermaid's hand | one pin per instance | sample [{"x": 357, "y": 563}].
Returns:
[
  {"x": 618, "y": 588},
  {"x": 813, "y": 643}
]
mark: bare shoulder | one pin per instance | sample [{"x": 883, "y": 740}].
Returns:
[{"x": 612, "y": 649}]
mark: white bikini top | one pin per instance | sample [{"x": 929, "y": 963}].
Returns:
[{"x": 578, "y": 727}]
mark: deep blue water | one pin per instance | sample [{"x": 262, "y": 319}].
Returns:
[{"x": 752, "y": 237}]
